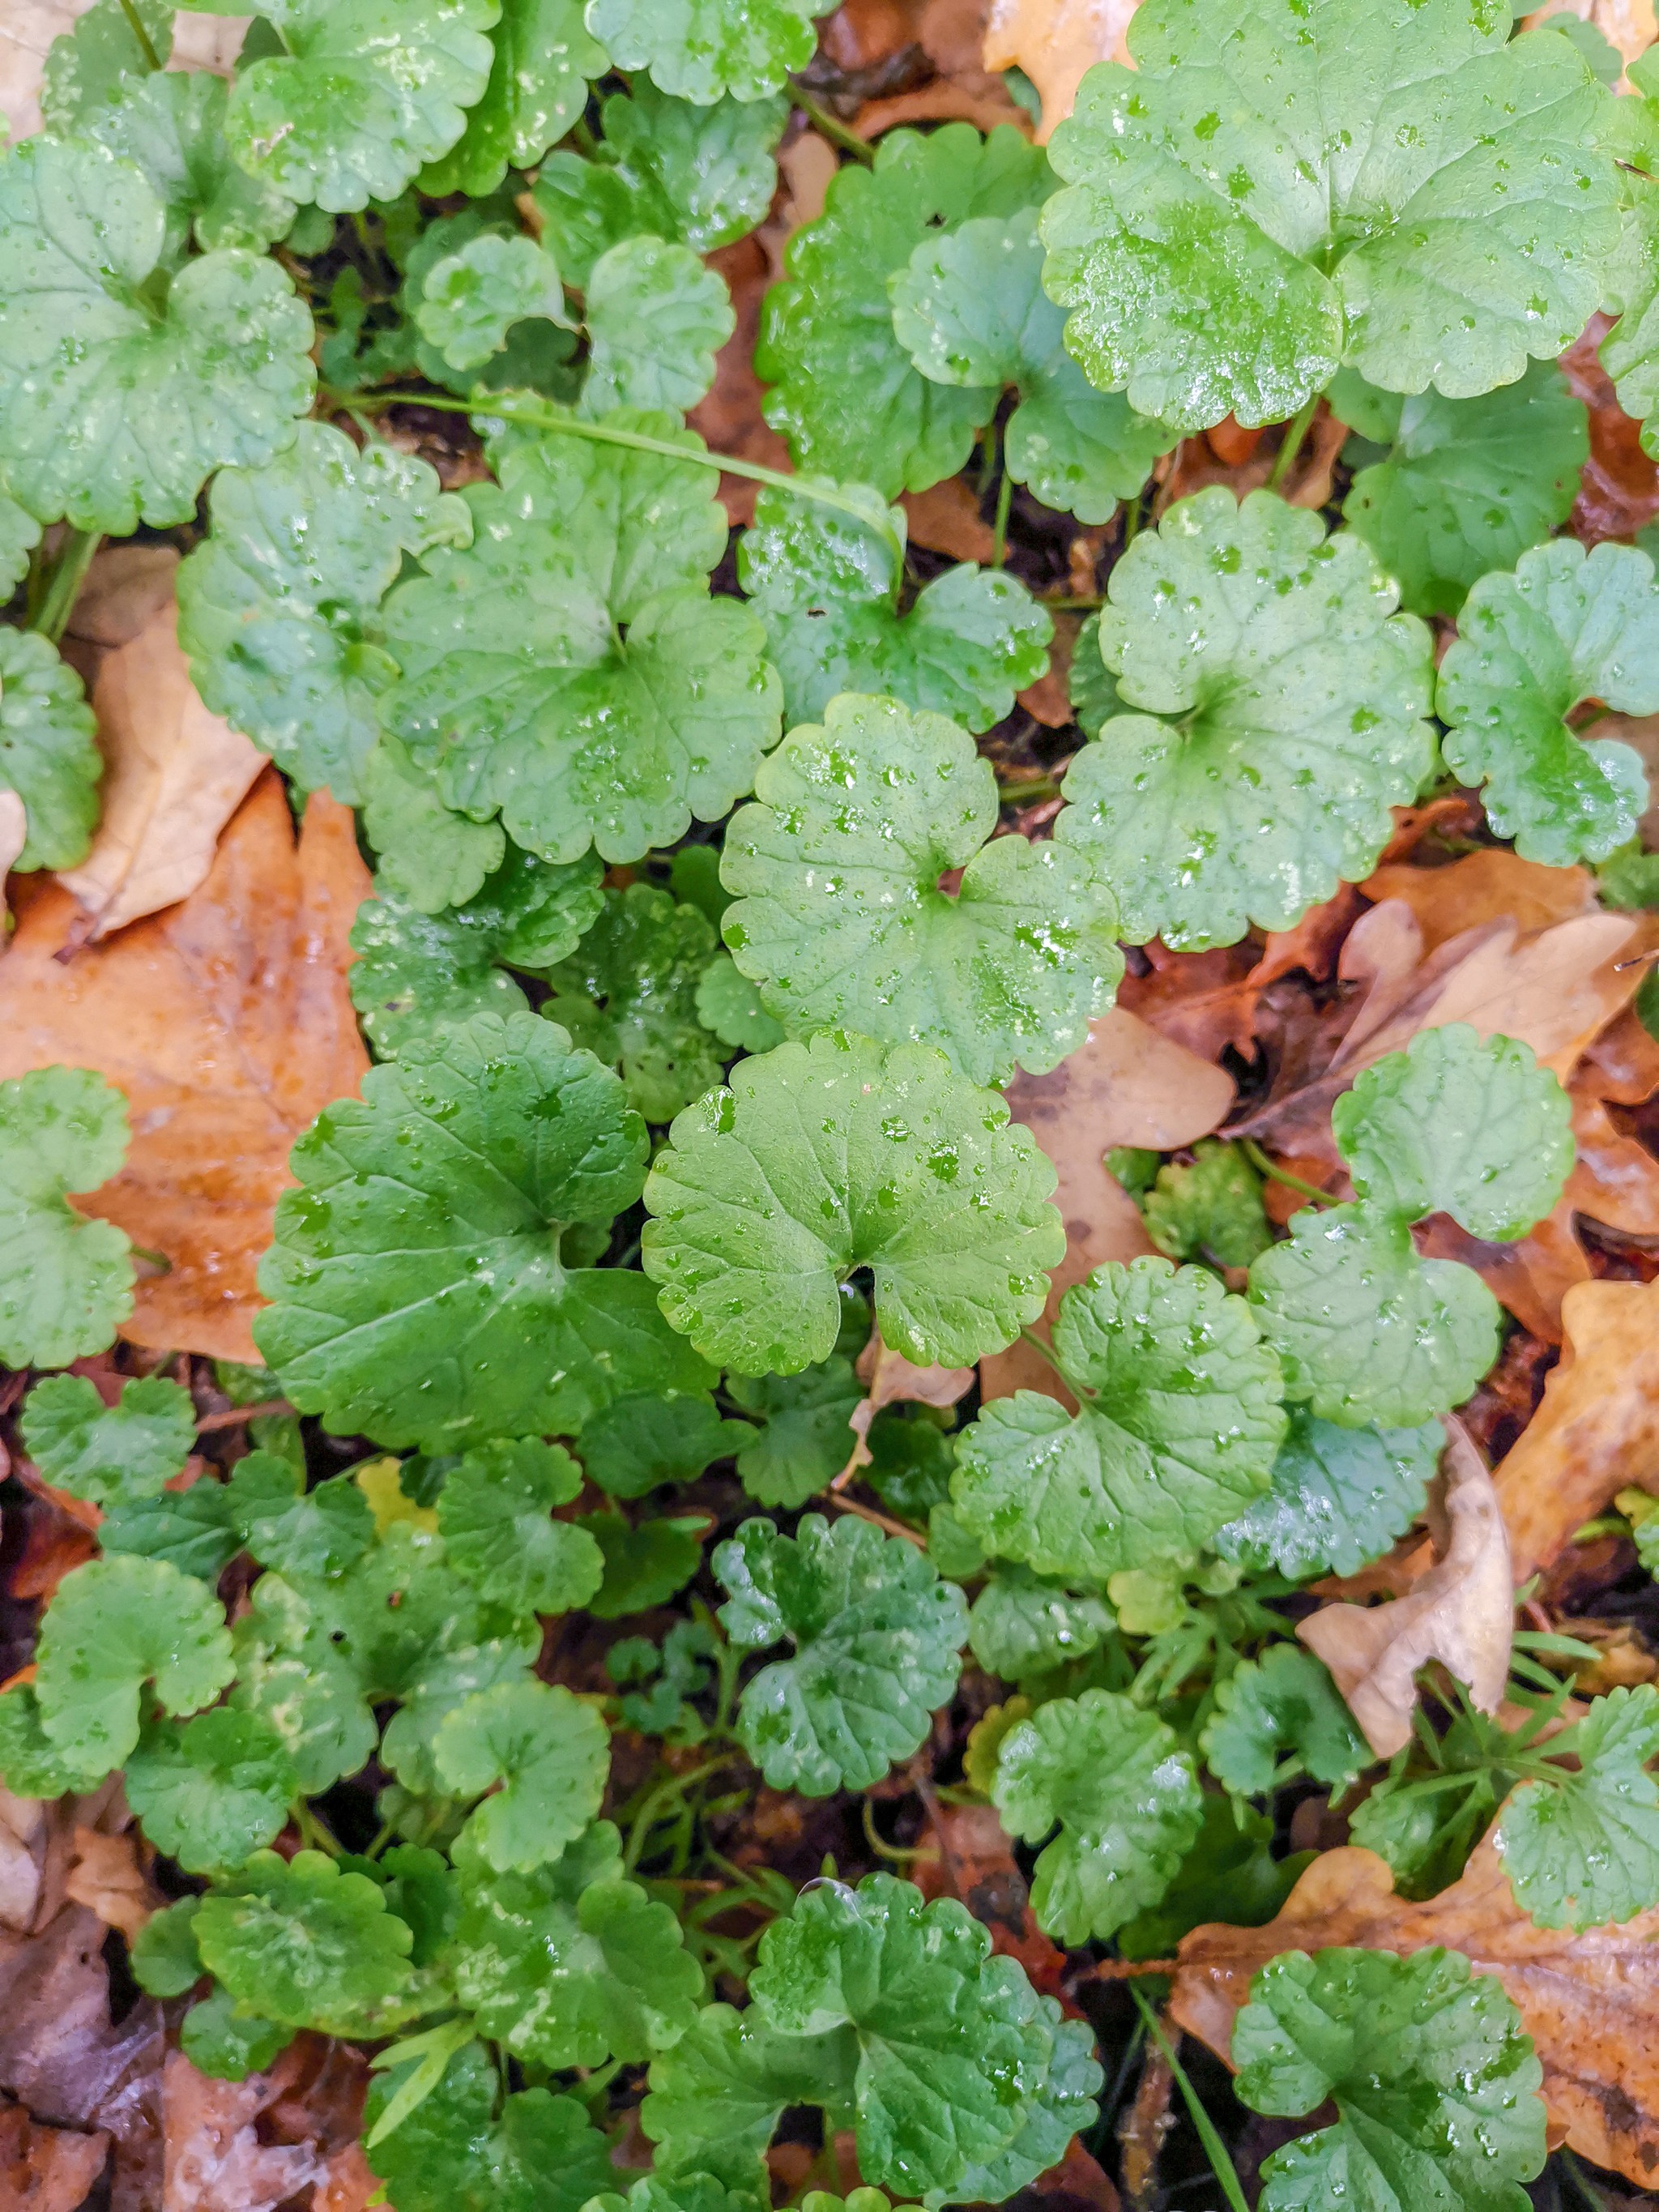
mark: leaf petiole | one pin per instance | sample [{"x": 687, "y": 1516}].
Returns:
[
  {"x": 1264, "y": 1165},
  {"x": 829, "y": 126},
  {"x": 1291, "y": 444},
  {"x": 63, "y": 587},
  {"x": 135, "y": 25}
]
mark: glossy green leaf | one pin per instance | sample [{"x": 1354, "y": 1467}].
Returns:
[
  {"x": 550, "y": 1752},
  {"x": 1220, "y": 251},
  {"x": 644, "y": 1566},
  {"x": 65, "y": 1282},
  {"x": 1582, "y": 1847},
  {"x": 729, "y": 1005},
  {"x": 31, "y": 1765},
  {"x": 165, "y": 1960},
  {"x": 221, "y": 2040},
  {"x": 969, "y": 309},
  {"x": 1179, "y": 1425},
  {"x": 1340, "y": 1498},
  {"x": 839, "y": 1154},
  {"x": 878, "y": 1639},
  {"x": 634, "y": 1445},
  {"x": 291, "y": 1672},
  {"x": 719, "y": 2091},
  {"x": 572, "y": 1964},
  {"x": 494, "y": 1515},
  {"x": 656, "y": 318},
  {"x": 1272, "y": 711},
  {"x": 279, "y": 606},
  {"x": 208, "y": 1791},
  {"x": 124, "y": 425},
  {"x": 190, "y": 1529},
  {"x": 48, "y": 750},
  {"x": 539, "y": 80},
  {"x": 366, "y": 92},
  {"x": 320, "y": 1531},
  {"x": 804, "y": 1439},
  {"x": 1211, "y": 1209},
  {"x": 472, "y": 298},
  {"x": 1434, "y": 2082},
  {"x": 429, "y": 855},
  {"x": 516, "y": 687},
  {"x": 1283, "y": 1701},
  {"x": 629, "y": 994},
  {"x": 303, "y": 1944},
  {"x": 1445, "y": 490},
  {"x": 828, "y": 588},
  {"x": 113, "y": 1627},
  {"x": 1125, "y": 1798},
  {"x": 1025, "y": 1623},
  {"x": 848, "y": 397},
  {"x": 418, "y": 1293},
  {"x": 699, "y": 49},
  {"x": 416, "y": 970},
  {"x": 453, "y": 2153},
  {"x": 172, "y": 127},
  {"x": 97, "y": 60},
  {"x": 108, "y": 1454},
  {"x": 1566, "y": 626}
]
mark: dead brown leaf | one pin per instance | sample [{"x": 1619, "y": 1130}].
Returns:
[
  {"x": 174, "y": 775},
  {"x": 944, "y": 101},
  {"x": 965, "y": 1854},
  {"x": 1054, "y": 42},
  {"x": 348, "y": 2183},
  {"x": 1128, "y": 1085},
  {"x": 45, "y": 2169},
  {"x": 1461, "y": 1613},
  {"x": 215, "y": 2161},
  {"x": 226, "y": 1023},
  {"x": 890, "y": 1379},
  {"x": 1204, "y": 1000},
  {"x": 106, "y": 1876},
  {"x": 1490, "y": 885},
  {"x": 945, "y": 518},
  {"x": 126, "y": 588},
  {"x": 1597, "y": 1429},
  {"x": 1619, "y": 490},
  {"x": 1590, "y": 2001}
]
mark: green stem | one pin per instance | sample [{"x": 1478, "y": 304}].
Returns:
[
  {"x": 1043, "y": 1353},
  {"x": 665, "y": 1795},
  {"x": 1221, "y": 2165},
  {"x": 635, "y": 442},
  {"x": 1018, "y": 794},
  {"x": 69, "y": 573},
  {"x": 1291, "y": 444},
  {"x": 1581, "y": 2181},
  {"x": 158, "y": 1261},
  {"x": 1260, "y": 1161},
  {"x": 879, "y": 1843},
  {"x": 999, "y": 527},
  {"x": 312, "y": 1832},
  {"x": 135, "y": 25},
  {"x": 827, "y": 124}
]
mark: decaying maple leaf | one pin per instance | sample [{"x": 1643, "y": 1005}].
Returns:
[
  {"x": 1590, "y": 2001},
  {"x": 1596, "y": 1431},
  {"x": 1460, "y": 1612},
  {"x": 174, "y": 775},
  {"x": 1128, "y": 1084},
  {"x": 226, "y": 1023},
  {"x": 1055, "y": 42}
]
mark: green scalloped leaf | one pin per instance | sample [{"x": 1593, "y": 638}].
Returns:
[
  {"x": 1340, "y": 1498},
  {"x": 494, "y": 1516},
  {"x": 629, "y": 994},
  {"x": 539, "y": 80},
  {"x": 172, "y": 127},
  {"x": 699, "y": 49},
  {"x": 113, "y": 1627},
  {"x": 551, "y": 1753},
  {"x": 65, "y": 1282},
  {"x": 109, "y": 1454},
  {"x": 656, "y": 318},
  {"x": 304, "y": 1943},
  {"x": 209, "y": 1792},
  {"x": 472, "y": 299}
]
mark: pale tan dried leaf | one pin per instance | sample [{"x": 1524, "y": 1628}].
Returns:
[
  {"x": 227, "y": 1022},
  {"x": 1597, "y": 1429},
  {"x": 1461, "y": 1613},
  {"x": 1531, "y": 1277},
  {"x": 215, "y": 2161},
  {"x": 806, "y": 167},
  {"x": 45, "y": 2169},
  {"x": 22, "y": 1854},
  {"x": 1629, "y": 25},
  {"x": 104, "y": 1876},
  {"x": 1615, "y": 1178},
  {"x": 890, "y": 1379},
  {"x": 1055, "y": 42},
  {"x": 1484, "y": 886},
  {"x": 174, "y": 775},
  {"x": 944, "y": 101},
  {"x": 1590, "y": 2001},
  {"x": 1129, "y": 1085}
]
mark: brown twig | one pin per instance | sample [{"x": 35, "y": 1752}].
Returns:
[{"x": 234, "y": 1416}]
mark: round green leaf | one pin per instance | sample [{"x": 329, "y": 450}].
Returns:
[
  {"x": 65, "y": 1282},
  {"x": 472, "y": 298},
  {"x": 656, "y": 318},
  {"x": 209, "y": 366},
  {"x": 172, "y": 127},
  {"x": 1368, "y": 1332},
  {"x": 539, "y": 80},
  {"x": 878, "y": 1641},
  {"x": 1273, "y": 712},
  {"x": 805, "y": 1438},
  {"x": 1285, "y": 1700},
  {"x": 571, "y": 668},
  {"x": 428, "y": 855},
  {"x": 49, "y": 751},
  {"x": 629, "y": 994},
  {"x": 644, "y": 1566},
  {"x": 571, "y": 1965},
  {"x": 1458, "y": 1124},
  {"x": 221, "y": 2040},
  {"x": 848, "y": 398},
  {"x": 634, "y": 1445},
  {"x": 416, "y": 970},
  {"x": 699, "y": 49},
  {"x": 1566, "y": 626},
  {"x": 828, "y": 588},
  {"x": 298, "y": 1531},
  {"x": 114, "y": 1625},
  {"x": 1582, "y": 1849},
  {"x": 109, "y": 1454},
  {"x": 90, "y": 67},
  {"x": 1460, "y": 486},
  {"x": 291, "y": 1671},
  {"x": 279, "y": 606},
  {"x": 1022, "y": 1625},
  {"x": 303, "y": 1944},
  {"x": 1221, "y": 252},
  {"x": 450, "y": 2153},
  {"x": 1211, "y": 1208},
  {"x": 1125, "y": 1797},
  {"x": 550, "y": 1752},
  {"x": 1179, "y": 1424},
  {"x": 210, "y": 1790},
  {"x": 840, "y": 919},
  {"x": 367, "y": 91},
  {"x": 969, "y": 309},
  {"x": 494, "y": 1514},
  {"x": 729, "y": 1005},
  {"x": 1340, "y": 1498},
  {"x": 31, "y": 1765},
  {"x": 827, "y": 1157},
  {"x": 418, "y": 1293}
]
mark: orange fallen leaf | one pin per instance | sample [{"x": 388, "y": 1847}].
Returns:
[
  {"x": 1590, "y": 2001},
  {"x": 1618, "y": 485},
  {"x": 944, "y": 101},
  {"x": 45, "y": 2169},
  {"x": 945, "y": 518},
  {"x": 1484, "y": 886},
  {"x": 965, "y": 1854},
  {"x": 1128, "y": 1084},
  {"x": 174, "y": 775},
  {"x": 226, "y": 1023},
  {"x": 1460, "y": 1612},
  {"x": 1055, "y": 42},
  {"x": 890, "y": 1379},
  {"x": 1596, "y": 1431},
  {"x": 215, "y": 2160},
  {"x": 105, "y": 1876},
  {"x": 728, "y": 417}
]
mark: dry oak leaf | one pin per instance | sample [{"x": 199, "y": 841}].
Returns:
[
  {"x": 226, "y": 1023},
  {"x": 1590, "y": 2001},
  {"x": 1597, "y": 1430},
  {"x": 1460, "y": 1612},
  {"x": 104, "y": 1876},
  {"x": 1129, "y": 1085},
  {"x": 1055, "y": 42},
  {"x": 1489, "y": 885},
  {"x": 890, "y": 1378},
  {"x": 175, "y": 776},
  {"x": 215, "y": 2160}
]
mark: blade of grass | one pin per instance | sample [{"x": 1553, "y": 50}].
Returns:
[{"x": 1214, "y": 2150}]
